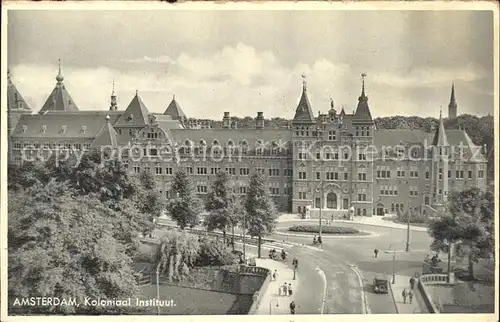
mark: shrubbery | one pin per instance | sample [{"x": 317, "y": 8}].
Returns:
[
  {"x": 415, "y": 218},
  {"x": 214, "y": 252},
  {"x": 324, "y": 229}
]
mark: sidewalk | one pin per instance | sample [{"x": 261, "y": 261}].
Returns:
[
  {"x": 403, "y": 282},
  {"x": 271, "y": 296}
]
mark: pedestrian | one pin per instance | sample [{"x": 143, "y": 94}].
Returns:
[
  {"x": 412, "y": 282},
  {"x": 292, "y": 307},
  {"x": 285, "y": 290},
  {"x": 275, "y": 274},
  {"x": 404, "y": 296},
  {"x": 290, "y": 289},
  {"x": 375, "y": 252},
  {"x": 410, "y": 296}
]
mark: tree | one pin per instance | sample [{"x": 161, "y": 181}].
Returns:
[
  {"x": 214, "y": 252},
  {"x": 469, "y": 225},
  {"x": 223, "y": 206},
  {"x": 260, "y": 209},
  {"x": 178, "y": 252},
  {"x": 185, "y": 206},
  {"x": 61, "y": 244}
]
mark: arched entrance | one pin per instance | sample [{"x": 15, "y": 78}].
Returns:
[
  {"x": 331, "y": 200},
  {"x": 380, "y": 209}
]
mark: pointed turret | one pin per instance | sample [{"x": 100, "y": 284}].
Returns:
[
  {"x": 59, "y": 99},
  {"x": 174, "y": 111},
  {"x": 303, "y": 113},
  {"x": 440, "y": 138},
  {"x": 114, "y": 104},
  {"x": 106, "y": 136},
  {"x": 135, "y": 114},
  {"x": 15, "y": 102},
  {"x": 452, "y": 106},
  {"x": 363, "y": 110}
]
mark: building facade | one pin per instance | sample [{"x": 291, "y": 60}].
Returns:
[{"x": 330, "y": 161}]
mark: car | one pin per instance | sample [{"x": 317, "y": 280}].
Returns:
[{"x": 380, "y": 285}]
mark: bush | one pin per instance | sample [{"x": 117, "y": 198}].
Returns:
[
  {"x": 324, "y": 229},
  {"x": 415, "y": 218},
  {"x": 214, "y": 252}
]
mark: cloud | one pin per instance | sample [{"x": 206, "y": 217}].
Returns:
[
  {"x": 430, "y": 76},
  {"x": 239, "y": 79}
]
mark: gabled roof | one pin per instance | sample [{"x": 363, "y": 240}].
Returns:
[
  {"x": 303, "y": 112},
  {"x": 106, "y": 136},
  {"x": 440, "y": 138},
  {"x": 59, "y": 99},
  {"x": 61, "y": 125},
  {"x": 174, "y": 110},
  {"x": 135, "y": 114},
  {"x": 15, "y": 102}
]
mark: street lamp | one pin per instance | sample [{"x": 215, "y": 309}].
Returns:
[
  {"x": 393, "y": 264},
  {"x": 244, "y": 239},
  {"x": 158, "y": 289},
  {"x": 318, "y": 134},
  {"x": 270, "y": 305},
  {"x": 408, "y": 228}
]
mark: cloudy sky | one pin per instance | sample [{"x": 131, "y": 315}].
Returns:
[{"x": 244, "y": 62}]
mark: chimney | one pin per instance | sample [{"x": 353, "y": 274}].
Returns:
[
  {"x": 259, "y": 121},
  {"x": 226, "y": 121}
]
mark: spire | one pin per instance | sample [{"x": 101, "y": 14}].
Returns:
[
  {"x": 59, "y": 76},
  {"x": 452, "y": 106},
  {"x": 440, "y": 138},
  {"x": 303, "y": 112},
  {"x": 114, "y": 104},
  {"x": 363, "y": 110}
]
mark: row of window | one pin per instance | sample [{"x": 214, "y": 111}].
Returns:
[
  {"x": 47, "y": 146},
  {"x": 214, "y": 170},
  {"x": 362, "y": 131},
  {"x": 331, "y": 156},
  {"x": 459, "y": 174}
]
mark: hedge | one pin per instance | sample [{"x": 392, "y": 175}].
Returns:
[{"x": 324, "y": 229}]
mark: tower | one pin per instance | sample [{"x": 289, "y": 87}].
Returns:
[
  {"x": 440, "y": 165},
  {"x": 59, "y": 99},
  {"x": 452, "y": 106}
]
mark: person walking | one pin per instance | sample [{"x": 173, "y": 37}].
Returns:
[
  {"x": 410, "y": 296},
  {"x": 404, "y": 296},
  {"x": 412, "y": 283},
  {"x": 275, "y": 274},
  {"x": 292, "y": 307},
  {"x": 290, "y": 289},
  {"x": 285, "y": 289},
  {"x": 375, "y": 252}
]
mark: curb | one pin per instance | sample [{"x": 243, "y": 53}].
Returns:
[
  {"x": 393, "y": 298},
  {"x": 364, "y": 304},
  {"x": 371, "y": 235},
  {"x": 412, "y": 228}
]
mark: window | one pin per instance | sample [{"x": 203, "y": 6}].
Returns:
[
  {"x": 231, "y": 171},
  {"x": 401, "y": 174},
  {"x": 440, "y": 174},
  {"x": 328, "y": 156},
  {"x": 168, "y": 171},
  {"x": 346, "y": 176},
  {"x": 357, "y": 131},
  {"x": 336, "y": 156},
  {"x": 214, "y": 170},
  {"x": 302, "y": 195},
  {"x": 362, "y": 176},
  {"x": 426, "y": 200},
  {"x": 201, "y": 188},
  {"x": 274, "y": 191},
  {"x": 274, "y": 172},
  {"x": 158, "y": 170},
  {"x": 201, "y": 170},
  {"x": 480, "y": 174},
  {"x": 243, "y": 190},
  {"x": 361, "y": 196},
  {"x": 244, "y": 171},
  {"x": 189, "y": 170},
  {"x": 318, "y": 175},
  {"x": 470, "y": 174},
  {"x": 449, "y": 173},
  {"x": 332, "y": 135},
  {"x": 413, "y": 174},
  {"x": 137, "y": 169},
  {"x": 427, "y": 174},
  {"x": 302, "y": 175},
  {"x": 288, "y": 172},
  {"x": 302, "y": 156},
  {"x": 362, "y": 157}
]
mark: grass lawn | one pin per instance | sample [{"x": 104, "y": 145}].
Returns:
[{"x": 188, "y": 301}]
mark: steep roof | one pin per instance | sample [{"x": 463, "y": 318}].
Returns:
[
  {"x": 106, "y": 136},
  {"x": 363, "y": 110},
  {"x": 393, "y": 137},
  {"x": 59, "y": 99},
  {"x": 174, "y": 110},
  {"x": 440, "y": 138},
  {"x": 15, "y": 101},
  {"x": 303, "y": 112},
  {"x": 136, "y": 113},
  {"x": 61, "y": 125}
]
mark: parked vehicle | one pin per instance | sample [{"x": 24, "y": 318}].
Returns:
[{"x": 380, "y": 285}]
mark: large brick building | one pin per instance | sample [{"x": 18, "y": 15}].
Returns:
[{"x": 334, "y": 160}]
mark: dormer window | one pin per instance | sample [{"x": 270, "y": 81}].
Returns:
[
  {"x": 83, "y": 129},
  {"x": 44, "y": 128},
  {"x": 130, "y": 118},
  {"x": 63, "y": 129}
]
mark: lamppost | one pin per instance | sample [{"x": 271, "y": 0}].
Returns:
[
  {"x": 408, "y": 228},
  {"x": 319, "y": 134},
  {"x": 270, "y": 305},
  {"x": 244, "y": 239},
  {"x": 158, "y": 289},
  {"x": 393, "y": 264}
]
